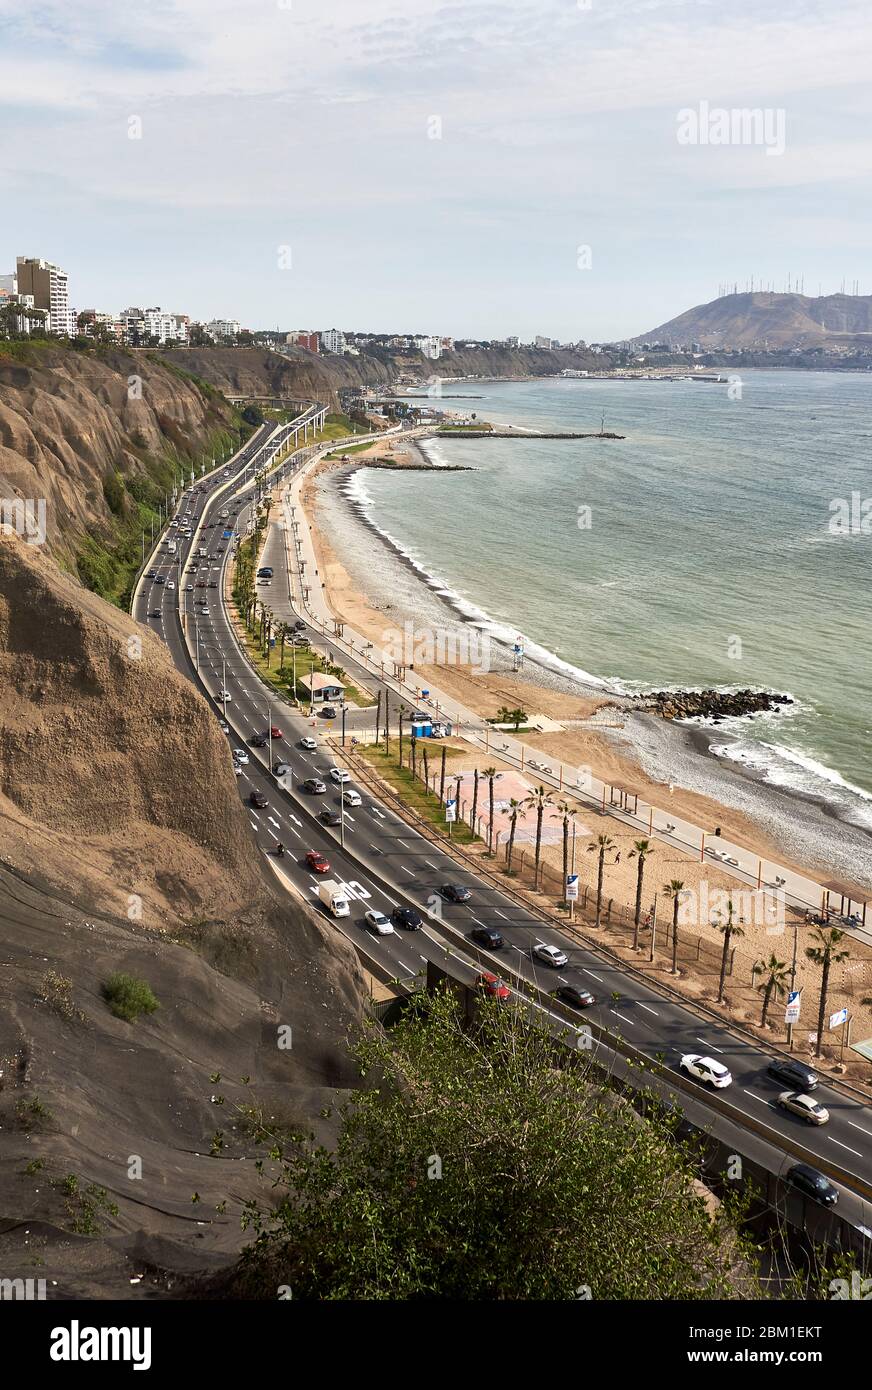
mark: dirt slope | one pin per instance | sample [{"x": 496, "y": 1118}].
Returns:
[{"x": 125, "y": 848}]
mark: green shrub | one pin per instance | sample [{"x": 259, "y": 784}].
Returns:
[{"x": 128, "y": 997}]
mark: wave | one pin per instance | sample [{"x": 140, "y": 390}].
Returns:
[{"x": 783, "y": 766}]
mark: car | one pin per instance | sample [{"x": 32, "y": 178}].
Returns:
[
  {"x": 237, "y": 768},
  {"x": 225, "y": 728},
  {"x": 378, "y": 922},
  {"x": 575, "y": 997},
  {"x": 171, "y": 583},
  {"x": 550, "y": 955},
  {"x": 300, "y": 641},
  {"x": 351, "y": 797},
  {"x": 220, "y": 550},
  {"x": 317, "y": 862},
  {"x": 189, "y": 588},
  {"x": 455, "y": 893},
  {"x": 339, "y": 774},
  {"x": 813, "y": 1184},
  {"x": 492, "y": 986},
  {"x": 310, "y": 744},
  {"x": 330, "y": 817},
  {"x": 257, "y": 741},
  {"x": 315, "y": 785},
  {"x": 161, "y": 579},
  {"x": 791, "y": 1073},
  {"x": 213, "y": 584},
  {"x": 201, "y": 583},
  {"x": 155, "y": 613},
  {"x": 276, "y": 733},
  {"x": 223, "y": 696},
  {"x": 152, "y": 574},
  {"x": 806, "y": 1107},
  {"x": 328, "y": 712},
  {"x": 409, "y": 918},
  {"x": 259, "y": 800},
  {"x": 706, "y": 1069},
  {"x": 240, "y": 755},
  {"x": 489, "y": 937}
]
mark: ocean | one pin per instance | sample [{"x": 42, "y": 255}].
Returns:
[{"x": 724, "y": 542}]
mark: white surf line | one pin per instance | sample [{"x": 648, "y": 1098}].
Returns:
[
  {"x": 711, "y": 1046},
  {"x": 844, "y": 1146}
]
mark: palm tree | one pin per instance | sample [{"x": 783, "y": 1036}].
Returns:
[
  {"x": 601, "y": 847},
  {"x": 775, "y": 983},
  {"x": 283, "y": 632},
  {"x": 442, "y": 775},
  {"x": 413, "y": 756},
  {"x": 825, "y": 954},
  {"x": 537, "y": 801},
  {"x": 491, "y": 774},
  {"x": 565, "y": 813},
  {"x": 474, "y": 800},
  {"x": 674, "y": 889},
  {"x": 426, "y": 771},
  {"x": 515, "y": 809},
  {"x": 728, "y": 929},
  {"x": 641, "y": 849}
]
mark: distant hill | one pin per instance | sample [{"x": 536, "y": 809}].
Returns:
[{"x": 762, "y": 319}]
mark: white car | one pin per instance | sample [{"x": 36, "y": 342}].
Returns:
[
  {"x": 171, "y": 584},
  {"x": 310, "y": 744},
  {"x": 223, "y": 696},
  {"x": 351, "y": 797},
  {"x": 240, "y": 755},
  {"x": 378, "y": 922},
  {"x": 339, "y": 774},
  {"x": 189, "y": 588},
  {"x": 706, "y": 1069},
  {"x": 225, "y": 728},
  {"x": 550, "y": 955},
  {"x": 806, "y": 1107}
]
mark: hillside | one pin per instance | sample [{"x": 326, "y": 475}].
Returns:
[
  {"x": 757, "y": 320},
  {"x": 125, "y": 848},
  {"x": 100, "y": 435}
]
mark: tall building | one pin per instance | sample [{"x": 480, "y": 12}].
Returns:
[
  {"x": 333, "y": 341},
  {"x": 430, "y": 346},
  {"x": 48, "y": 285},
  {"x": 303, "y": 339},
  {"x": 222, "y": 328}
]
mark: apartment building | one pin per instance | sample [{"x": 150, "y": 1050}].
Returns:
[{"x": 47, "y": 283}]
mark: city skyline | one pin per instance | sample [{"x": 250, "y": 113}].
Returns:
[{"x": 478, "y": 171}]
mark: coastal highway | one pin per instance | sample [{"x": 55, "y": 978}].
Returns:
[{"x": 385, "y": 862}]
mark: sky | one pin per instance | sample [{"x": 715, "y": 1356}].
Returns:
[{"x": 466, "y": 167}]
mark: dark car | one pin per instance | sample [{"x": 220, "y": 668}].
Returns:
[
  {"x": 331, "y": 817},
  {"x": 213, "y": 583},
  {"x": 813, "y": 1184},
  {"x": 160, "y": 579},
  {"x": 313, "y": 784},
  {"x": 455, "y": 893},
  {"x": 328, "y": 712},
  {"x": 487, "y": 936},
  {"x": 299, "y": 625},
  {"x": 152, "y": 574},
  {"x": 792, "y": 1074},
  {"x": 155, "y": 613},
  {"x": 575, "y": 997},
  {"x": 259, "y": 800},
  {"x": 408, "y": 918},
  {"x": 257, "y": 741}
]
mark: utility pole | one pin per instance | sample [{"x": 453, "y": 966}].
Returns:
[{"x": 792, "y": 984}]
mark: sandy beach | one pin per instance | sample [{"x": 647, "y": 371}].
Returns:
[{"x": 590, "y": 739}]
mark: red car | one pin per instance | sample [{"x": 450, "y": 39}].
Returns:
[
  {"x": 317, "y": 863},
  {"x": 492, "y": 986},
  {"x": 276, "y": 732}
]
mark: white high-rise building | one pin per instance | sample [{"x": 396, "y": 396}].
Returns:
[
  {"x": 430, "y": 346},
  {"x": 333, "y": 341}
]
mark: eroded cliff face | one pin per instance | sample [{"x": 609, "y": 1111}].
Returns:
[
  {"x": 93, "y": 435},
  {"x": 124, "y": 848}
]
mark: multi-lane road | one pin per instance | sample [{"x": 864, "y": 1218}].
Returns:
[{"x": 386, "y": 863}]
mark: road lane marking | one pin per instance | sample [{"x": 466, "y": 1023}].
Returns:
[
  {"x": 711, "y": 1046},
  {"x": 594, "y": 977},
  {"x": 844, "y": 1146},
  {"x": 640, "y": 1005},
  {"x": 860, "y": 1127}
]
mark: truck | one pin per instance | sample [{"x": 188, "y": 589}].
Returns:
[{"x": 334, "y": 896}]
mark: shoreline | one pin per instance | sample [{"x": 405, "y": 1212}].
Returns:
[{"x": 611, "y": 749}]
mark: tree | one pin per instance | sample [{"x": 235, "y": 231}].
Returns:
[
  {"x": 537, "y": 801},
  {"x": 825, "y": 954},
  {"x": 474, "y": 809},
  {"x": 641, "y": 849},
  {"x": 601, "y": 847},
  {"x": 729, "y": 929},
  {"x": 517, "y": 717},
  {"x": 565, "y": 813},
  {"x": 776, "y": 973},
  {"x": 515, "y": 809},
  {"x": 674, "y": 889},
  {"x": 543, "y": 1183},
  {"x": 491, "y": 774}
]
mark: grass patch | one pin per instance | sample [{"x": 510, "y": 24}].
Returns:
[
  {"x": 32, "y": 1115},
  {"x": 57, "y": 992},
  {"x": 411, "y": 790},
  {"x": 128, "y": 997},
  {"x": 352, "y": 449},
  {"x": 85, "y": 1206}
]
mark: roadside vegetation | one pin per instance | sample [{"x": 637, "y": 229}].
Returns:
[{"x": 476, "y": 1168}]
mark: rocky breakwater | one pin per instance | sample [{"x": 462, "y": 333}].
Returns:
[{"x": 711, "y": 704}]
